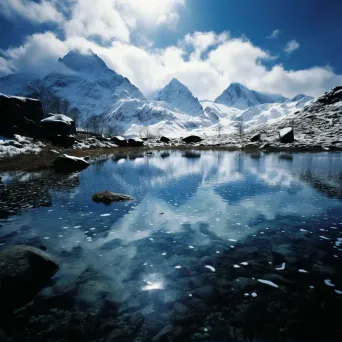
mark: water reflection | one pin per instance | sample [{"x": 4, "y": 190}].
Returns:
[{"x": 198, "y": 236}]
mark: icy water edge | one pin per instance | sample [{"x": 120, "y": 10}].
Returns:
[{"x": 220, "y": 247}]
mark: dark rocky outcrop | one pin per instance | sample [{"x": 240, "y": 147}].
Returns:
[
  {"x": 164, "y": 139},
  {"x": 135, "y": 142},
  {"x": 192, "y": 139},
  {"x": 66, "y": 163},
  {"x": 120, "y": 141},
  {"x": 24, "y": 271},
  {"x": 256, "y": 137},
  {"x": 20, "y": 115},
  {"x": 286, "y": 135},
  {"x": 107, "y": 197}
]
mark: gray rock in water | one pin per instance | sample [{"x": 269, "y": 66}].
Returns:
[
  {"x": 66, "y": 163},
  {"x": 24, "y": 271},
  {"x": 180, "y": 308},
  {"x": 286, "y": 135},
  {"x": 107, "y": 197}
]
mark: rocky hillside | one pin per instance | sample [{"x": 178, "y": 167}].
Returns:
[{"x": 318, "y": 123}]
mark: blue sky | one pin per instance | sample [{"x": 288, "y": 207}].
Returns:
[{"x": 205, "y": 43}]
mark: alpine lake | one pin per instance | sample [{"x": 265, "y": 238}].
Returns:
[{"x": 215, "y": 246}]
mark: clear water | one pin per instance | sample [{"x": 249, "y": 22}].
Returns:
[{"x": 219, "y": 247}]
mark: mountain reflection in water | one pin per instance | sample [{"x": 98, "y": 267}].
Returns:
[{"x": 182, "y": 261}]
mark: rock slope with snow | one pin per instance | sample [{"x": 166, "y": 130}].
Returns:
[
  {"x": 239, "y": 96},
  {"x": 317, "y": 123},
  {"x": 180, "y": 97}
]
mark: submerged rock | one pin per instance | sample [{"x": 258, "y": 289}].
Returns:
[
  {"x": 286, "y": 135},
  {"x": 66, "y": 163},
  {"x": 24, "y": 270},
  {"x": 107, "y": 197}
]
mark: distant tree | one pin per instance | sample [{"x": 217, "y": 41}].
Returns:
[
  {"x": 219, "y": 129},
  {"x": 145, "y": 132},
  {"x": 240, "y": 127}
]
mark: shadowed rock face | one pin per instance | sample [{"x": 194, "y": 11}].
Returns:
[
  {"x": 24, "y": 271},
  {"x": 192, "y": 139},
  {"x": 22, "y": 112}
]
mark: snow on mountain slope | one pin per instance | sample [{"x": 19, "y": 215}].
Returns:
[
  {"x": 178, "y": 95},
  {"x": 319, "y": 122},
  {"x": 160, "y": 117},
  {"x": 15, "y": 84},
  {"x": 239, "y": 96},
  {"x": 269, "y": 113}
]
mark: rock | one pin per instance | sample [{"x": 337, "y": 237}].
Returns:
[
  {"x": 198, "y": 336},
  {"x": 22, "y": 113},
  {"x": 164, "y": 139},
  {"x": 192, "y": 139},
  {"x": 266, "y": 145},
  {"x": 256, "y": 137},
  {"x": 286, "y": 135},
  {"x": 57, "y": 124},
  {"x": 180, "y": 308},
  {"x": 107, "y": 197},
  {"x": 204, "y": 292},
  {"x": 66, "y": 163},
  {"x": 62, "y": 140},
  {"x": 24, "y": 271},
  {"x": 102, "y": 138},
  {"x": 120, "y": 141},
  {"x": 136, "y": 142}
]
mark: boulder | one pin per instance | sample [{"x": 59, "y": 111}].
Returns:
[
  {"x": 66, "y": 163},
  {"x": 57, "y": 124},
  {"x": 22, "y": 113},
  {"x": 256, "y": 137},
  {"x": 107, "y": 197},
  {"x": 192, "y": 139},
  {"x": 63, "y": 140},
  {"x": 24, "y": 271},
  {"x": 135, "y": 142},
  {"x": 120, "y": 141},
  {"x": 164, "y": 139},
  {"x": 286, "y": 135}
]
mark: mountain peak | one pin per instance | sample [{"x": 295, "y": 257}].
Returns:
[
  {"x": 79, "y": 61},
  {"x": 239, "y": 96},
  {"x": 178, "y": 95}
]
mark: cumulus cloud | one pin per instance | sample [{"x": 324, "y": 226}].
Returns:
[
  {"x": 274, "y": 35},
  {"x": 35, "y": 12},
  {"x": 291, "y": 46},
  {"x": 204, "y": 61}
]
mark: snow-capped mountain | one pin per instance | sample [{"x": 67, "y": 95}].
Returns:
[
  {"x": 90, "y": 85},
  {"x": 239, "y": 96},
  {"x": 180, "y": 97}
]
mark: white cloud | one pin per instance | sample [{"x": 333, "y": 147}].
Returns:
[
  {"x": 274, "y": 35},
  {"x": 291, "y": 46},
  {"x": 36, "y": 12},
  {"x": 99, "y": 19},
  {"x": 204, "y": 61}
]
